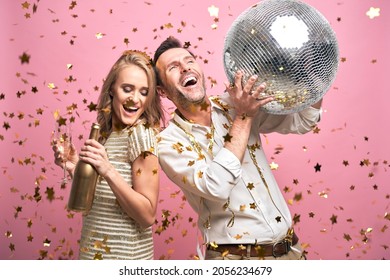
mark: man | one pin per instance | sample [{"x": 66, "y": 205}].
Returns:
[{"x": 212, "y": 150}]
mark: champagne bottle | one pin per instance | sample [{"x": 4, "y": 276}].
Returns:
[{"x": 84, "y": 181}]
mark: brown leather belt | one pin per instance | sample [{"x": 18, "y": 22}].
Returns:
[{"x": 277, "y": 249}]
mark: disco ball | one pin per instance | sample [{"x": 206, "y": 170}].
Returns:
[{"x": 290, "y": 46}]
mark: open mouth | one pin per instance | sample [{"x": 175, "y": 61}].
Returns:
[
  {"x": 129, "y": 107},
  {"x": 189, "y": 81}
]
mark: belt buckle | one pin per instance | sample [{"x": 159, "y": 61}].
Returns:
[{"x": 284, "y": 242}]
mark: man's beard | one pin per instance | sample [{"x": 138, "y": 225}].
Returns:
[{"x": 186, "y": 102}]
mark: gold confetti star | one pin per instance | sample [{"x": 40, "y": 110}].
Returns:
[
  {"x": 25, "y": 5},
  {"x": 298, "y": 196},
  {"x": 213, "y": 245},
  {"x": 365, "y": 162},
  {"x": 347, "y": 237},
  {"x": 50, "y": 194},
  {"x": 98, "y": 256},
  {"x": 167, "y": 25},
  {"x": 72, "y": 5},
  {"x": 30, "y": 238},
  {"x": 92, "y": 106},
  {"x": 333, "y": 219},
  {"x": 297, "y": 218},
  {"x": 373, "y": 12},
  {"x": 201, "y": 156},
  {"x": 99, "y": 35},
  {"x": 6, "y": 125},
  {"x": 316, "y": 130},
  {"x": 11, "y": 247},
  {"x": 228, "y": 137},
  {"x": 323, "y": 194},
  {"x": 178, "y": 147},
  {"x": 61, "y": 121},
  {"x": 51, "y": 86},
  {"x": 237, "y": 237},
  {"x": 274, "y": 166},
  {"x": 19, "y": 94},
  {"x": 18, "y": 210},
  {"x": 189, "y": 148},
  {"x": 213, "y": 11},
  {"x": 204, "y": 106},
  {"x": 46, "y": 243},
  {"x": 24, "y": 58}
]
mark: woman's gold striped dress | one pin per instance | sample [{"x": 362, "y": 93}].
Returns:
[{"x": 107, "y": 232}]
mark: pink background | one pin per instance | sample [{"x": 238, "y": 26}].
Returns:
[{"x": 340, "y": 212}]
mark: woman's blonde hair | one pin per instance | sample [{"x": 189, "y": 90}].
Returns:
[{"x": 153, "y": 113}]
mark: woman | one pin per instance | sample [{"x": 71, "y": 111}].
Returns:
[{"x": 124, "y": 207}]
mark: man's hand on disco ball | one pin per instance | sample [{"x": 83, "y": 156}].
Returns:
[
  {"x": 246, "y": 99},
  {"x": 291, "y": 46}
]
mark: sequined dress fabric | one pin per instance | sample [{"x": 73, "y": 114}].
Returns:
[{"x": 108, "y": 232}]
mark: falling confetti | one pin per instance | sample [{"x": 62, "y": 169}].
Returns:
[
  {"x": 99, "y": 35},
  {"x": 55, "y": 76},
  {"x": 274, "y": 166},
  {"x": 317, "y": 167},
  {"x": 373, "y": 12},
  {"x": 24, "y": 58},
  {"x": 213, "y": 11}
]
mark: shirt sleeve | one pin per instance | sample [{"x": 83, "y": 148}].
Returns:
[
  {"x": 209, "y": 178},
  {"x": 297, "y": 123},
  {"x": 229, "y": 162},
  {"x": 141, "y": 139}
]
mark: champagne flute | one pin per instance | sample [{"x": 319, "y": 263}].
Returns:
[{"x": 62, "y": 137}]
